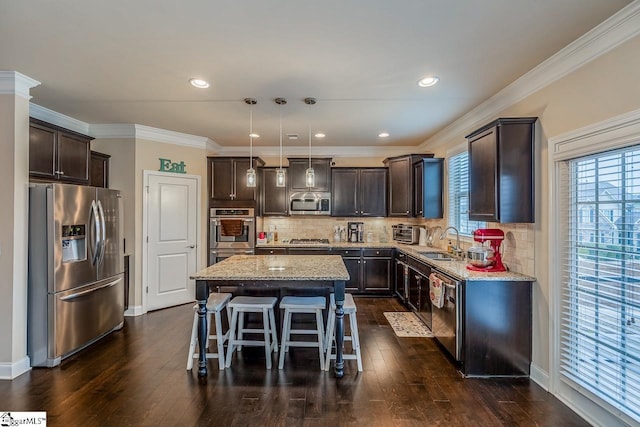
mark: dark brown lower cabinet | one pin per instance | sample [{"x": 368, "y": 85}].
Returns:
[
  {"x": 376, "y": 270},
  {"x": 496, "y": 328},
  {"x": 370, "y": 269}
]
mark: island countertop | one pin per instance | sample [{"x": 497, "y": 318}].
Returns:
[{"x": 276, "y": 267}]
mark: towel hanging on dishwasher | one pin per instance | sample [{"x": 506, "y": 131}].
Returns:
[{"x": 436, "y": 291}]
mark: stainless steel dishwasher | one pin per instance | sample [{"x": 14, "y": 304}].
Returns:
[{"x": 447, "y": 320}]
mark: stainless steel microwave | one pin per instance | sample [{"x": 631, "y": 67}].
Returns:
[{"x": 310, "y": 203}]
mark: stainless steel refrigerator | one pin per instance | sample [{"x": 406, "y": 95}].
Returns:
[{"x": 76, "y": 269}]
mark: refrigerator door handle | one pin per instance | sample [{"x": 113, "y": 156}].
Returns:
[
  {"x": 103, "y": 232},
  {"x": 88, "y": 291},
  {"x": 95, "y": 231}
]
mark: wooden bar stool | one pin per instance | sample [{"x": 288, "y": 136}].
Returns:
[
  {"x": 309, "y": 305},
  {"x": 215, "y": 304},
  {"x": 350, "y": 310},
  {"x": 241, "y": 305}
]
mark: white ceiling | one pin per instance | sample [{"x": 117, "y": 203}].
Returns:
[{"x": 123, "y": 61}]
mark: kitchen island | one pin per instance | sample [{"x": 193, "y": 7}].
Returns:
[{"x": 273, "y": 271}]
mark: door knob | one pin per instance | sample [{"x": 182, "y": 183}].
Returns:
[{"x": 191, "y": 246}]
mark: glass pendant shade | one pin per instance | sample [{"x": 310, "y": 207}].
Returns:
[
  {"x": 310, "y": 178},
  {"x": 251, "y": 173},
  {"x": 251, "y": 177},
  {"x": 281, "y": 178}
]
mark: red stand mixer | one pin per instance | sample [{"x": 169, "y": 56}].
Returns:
[{"x": 486, "y": 259}]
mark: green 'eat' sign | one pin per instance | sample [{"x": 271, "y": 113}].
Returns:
[{"x": 167, "y": 166}]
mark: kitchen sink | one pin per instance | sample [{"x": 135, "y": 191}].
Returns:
[{"x": 437, "y": 256}]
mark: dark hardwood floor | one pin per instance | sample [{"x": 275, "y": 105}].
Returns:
[{"x": 137, "y": 377}]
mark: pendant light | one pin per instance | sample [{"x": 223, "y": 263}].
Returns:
[
  {"x": 281, "y": 179},
  {"x": 310, "y": 175},
  {"x": 251, "y": 173}
]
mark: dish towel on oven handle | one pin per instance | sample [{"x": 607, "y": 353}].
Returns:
[
  {"x": 436, "y": 291},
  {"x": 231, "y": 227}
]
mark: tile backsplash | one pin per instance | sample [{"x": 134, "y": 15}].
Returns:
[{"x": 517, "y": 248}]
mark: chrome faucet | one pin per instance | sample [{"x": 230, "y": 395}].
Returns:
[
  {"x": 457, "y": 250},
  {"x": 432, "y": 233}
]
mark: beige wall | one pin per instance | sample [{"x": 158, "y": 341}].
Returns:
[
  {"x": 147, "y": 158},
  {"x": 606, "y": 87},
  {"x": 14, "y": 193},
  {"x": 130, "y": 157}
]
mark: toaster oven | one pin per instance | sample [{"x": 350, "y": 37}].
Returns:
[{"x": 405, "y": 233}]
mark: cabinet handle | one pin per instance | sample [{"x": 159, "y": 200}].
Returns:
[
  {"x": 365, "y": 262},
  {"x": 358, "y": 262},
  {"x": 377, "y": 252},
  {"x": 407, "y": 211},
  {"x": 59, "y": 172}
]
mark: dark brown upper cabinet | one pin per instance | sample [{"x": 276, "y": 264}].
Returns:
[
  {"x": 297, "y": 174},
  {"x": 99, "y": 170},
  {"x": 501, "y": 164},
  {"x": 359, "y": 192},
  {"x": 227, "y": 177},
  {"x": 401, "y": 183},
  {"x": 58, "y": 154},
  {"x": 428, "y": 175},
  {"x": 274, "y": 200}
]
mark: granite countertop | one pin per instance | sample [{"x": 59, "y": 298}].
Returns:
[
  {"x": 276, "y": 267},
  {"x": 456, "y": 268}
]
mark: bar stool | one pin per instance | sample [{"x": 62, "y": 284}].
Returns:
[
  {"x": 215, "y": 303},
  {"x": 350, "y": 310},
  {"x": 309, "y": 305},
  {"x": 241, "y": 305}
]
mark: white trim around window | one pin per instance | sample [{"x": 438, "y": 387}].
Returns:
[{"x": 615, "y": 133}]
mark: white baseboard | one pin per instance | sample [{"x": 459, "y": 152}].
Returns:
[
  {"x": 134, "y": 311},
  {"x": 9, "y": 371},
  {"x": 539, "y": 376}
]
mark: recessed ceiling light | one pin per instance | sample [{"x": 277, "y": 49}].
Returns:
[
  {"x": 199, "y": 83},
  {"x": 383, "y": 134},
  {"x": 254, "y": 135},
  {"x": 320, "y": 135},
  {"x": 428, "y": 81}
]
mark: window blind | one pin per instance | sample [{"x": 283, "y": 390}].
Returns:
[
  {"x": 600, "y": 277},
  {"x": 459, "y": 195}
]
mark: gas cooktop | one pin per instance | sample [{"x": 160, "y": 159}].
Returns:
[{"x": 309, "y": 241}]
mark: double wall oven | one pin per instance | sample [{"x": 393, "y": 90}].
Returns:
[{"x": 231, "y": 232}]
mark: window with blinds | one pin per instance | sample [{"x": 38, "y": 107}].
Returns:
[
  {"x": 459, "y": 195},
  {"x": 600, "y": 289}
]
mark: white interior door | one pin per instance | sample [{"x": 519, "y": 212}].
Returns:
[{"x": 172, "y": 218}]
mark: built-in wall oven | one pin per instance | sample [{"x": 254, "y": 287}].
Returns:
[
  {"x": 447, "y": 319},
  {"x": 231, "y": 232}
]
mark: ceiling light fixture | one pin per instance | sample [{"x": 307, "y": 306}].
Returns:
[
  {"x": 428, "y": 81},
  {"x": 251, "y": 173},
  {"x": 199, "y": 83},
  {"x": 310, "y": 175},
  {"x": 281, "y": 178},
  {"x": 320, "y": 135},
  {"x": 383, "y": 135}
]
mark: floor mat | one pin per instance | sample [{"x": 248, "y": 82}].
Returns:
[{"x": 407, "y": 324}]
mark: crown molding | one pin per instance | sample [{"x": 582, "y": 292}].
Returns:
[
  {"x": 133, "y": 131},
  {"x": 15, "y": 83},
  {"x": 605, "y": 37},
  {"x": 171, "y": 137},
  {"x": 41, "y": 113},
  {"x": 330, "y": 151}
]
